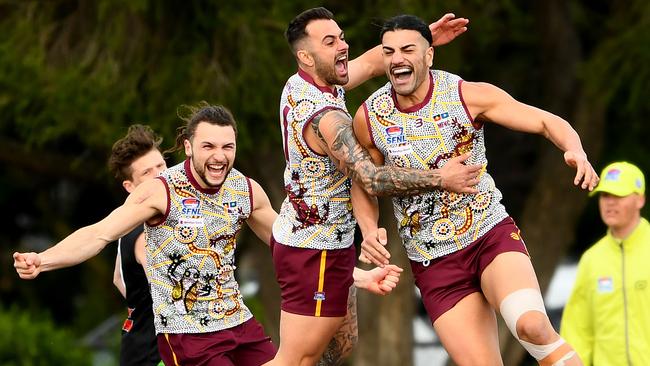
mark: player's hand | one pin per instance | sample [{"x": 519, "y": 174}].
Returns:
[
  {"x": 27, "y": 265},
  {"x": 585, "y": 173},
  {"x": 447, "y": 28},
  {"x": 373, "y": 248},
  {"x": 379, "y": 280},
  {"x": 458, "y": 177}
]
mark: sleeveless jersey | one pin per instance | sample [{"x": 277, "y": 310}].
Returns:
[
  {"x": 191, "y": 254},
  {"x": 426, "y": 136},
  {"x": 317, "y": 213},
  {"x": 139, "y": 344}
]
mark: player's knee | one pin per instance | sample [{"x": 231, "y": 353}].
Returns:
[{"x": 534, "y": 327}]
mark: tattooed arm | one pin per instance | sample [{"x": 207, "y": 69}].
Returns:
[{"x": 336, "y": 137}]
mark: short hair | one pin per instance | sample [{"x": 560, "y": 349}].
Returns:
[
  {"x": 406, "y": 22},
  {"x": 139, "y": 140},
  {"x": 298, "y": 25},
  {"x": 202, "y": 112}
]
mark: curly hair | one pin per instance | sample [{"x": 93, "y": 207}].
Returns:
[{"x": 138, "y": 141}]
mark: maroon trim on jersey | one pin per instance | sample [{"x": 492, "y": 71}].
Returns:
[
  {"x": 250, "y": 189},
  {"x": 194, "y": 182},
  {"x": 164, "y": 216},
  {"x": 325, "y": 89},
  {"x": 285, "y": 131},
  {"x": 365, "y": 112},
  {"x": 418, "y": 106},
  {"x": 320, "y": 111},
  {"x": 476, "y": 124}
]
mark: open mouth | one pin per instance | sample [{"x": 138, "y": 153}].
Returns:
[
  {"x": 402, "y": 73},
  {"x": 341, "y": 65},
  {"x": 216, "y": 169}
]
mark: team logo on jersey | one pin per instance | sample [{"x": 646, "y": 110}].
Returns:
[
  {"x": 605, "y": 284},
  {"x": 230, "y": 207},
  {"x": 442, "y": 119},
  {"x": 319, "y": 295}
]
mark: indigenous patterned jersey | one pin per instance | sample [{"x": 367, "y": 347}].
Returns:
[
  {"x": 426, "y": 136},
  {"x": 317, "y": 212},
  {"x": 190, "y": 253}
]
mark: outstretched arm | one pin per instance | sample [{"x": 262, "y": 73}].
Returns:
[
  {"x": 262, "y": 215},
  {"x": 146, "y": 202},
  {"x": 488, "y": 102},
  {"x": 370, "y": 63}
]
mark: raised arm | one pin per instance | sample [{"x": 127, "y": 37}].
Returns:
[
  {"x": 370, "y": 63},
  {"x": 488, "y": 102},
  {"x": 262, "y": 215},
  {"x": 146, "y": 202}
]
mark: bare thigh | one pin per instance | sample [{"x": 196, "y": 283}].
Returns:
[
  {"x": 304, "y": 338},
  {"x": 468, "y": 331}
]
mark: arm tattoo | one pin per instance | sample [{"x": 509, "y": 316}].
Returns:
[
  {"x": 377, "y": 180},
  {"x": 346, "y": 336}
]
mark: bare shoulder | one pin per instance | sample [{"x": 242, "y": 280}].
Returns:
[{"x": 152, "y": 193}]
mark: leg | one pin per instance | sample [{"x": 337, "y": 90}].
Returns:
[
  {"x": 510, "y": 277},
  {"x": 346, "y": 337},
  {"x": 468, "y": 331},
  {"x": 303, "y": 338}
]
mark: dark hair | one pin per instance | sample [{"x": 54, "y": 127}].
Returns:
[
  {"x": 296, "y": 29},
  {"x": 406, "y": 22},
  {"x": 202, "y": 112},
  {"x": 139, "y": 140}
]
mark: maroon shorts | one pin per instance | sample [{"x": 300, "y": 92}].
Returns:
[
  {"x": 313, "y": 282},
  {"x": 448, "y": 279},
  {"x": 243, "y": 345}
]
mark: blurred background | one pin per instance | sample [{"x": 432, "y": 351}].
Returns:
[{"x": 75, "y": 74}]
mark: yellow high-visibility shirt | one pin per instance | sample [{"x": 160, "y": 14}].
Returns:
[{"x": 607, "y": 317}]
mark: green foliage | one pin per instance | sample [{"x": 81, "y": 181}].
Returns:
[{"x": 34, "y": 340}]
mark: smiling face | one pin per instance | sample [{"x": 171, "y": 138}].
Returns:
[
  {"x": 407, "y": 58},
  {"x": 212, "y": 153},
  {"x": 620, "y": 214},
  {"x": 326, "y": 50}
]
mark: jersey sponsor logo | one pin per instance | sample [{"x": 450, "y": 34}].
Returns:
[
  {"x": 401, "y": 149},
  {"x": 605, "y": 284},
  {"x": 191, "y": 206},
  {"x": 319, "y": 295},
  {"x": 394, "y": 135}
]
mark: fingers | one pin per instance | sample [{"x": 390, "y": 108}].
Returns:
[
  {"x": 376, "y": 254},
  {"x": 382, "y": 236},
  {"x": 363, "y": 258},
  {"x": 394, "y": 268}
]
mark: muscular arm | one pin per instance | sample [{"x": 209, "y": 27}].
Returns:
[
  {"x": 370, "y": 63},
  {"x": 488, "y": 102},
  {"x": 147, "y": 201},
  {"x": 335, "y": 131},
  {"x": 262, "y": 215}
]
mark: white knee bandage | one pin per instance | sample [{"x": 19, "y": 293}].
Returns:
[{"x": 514, "y": 306}]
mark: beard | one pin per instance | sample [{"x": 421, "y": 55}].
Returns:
[
  {"x": 200, "y": 171},
  {"x": 327, "y": 72}
]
